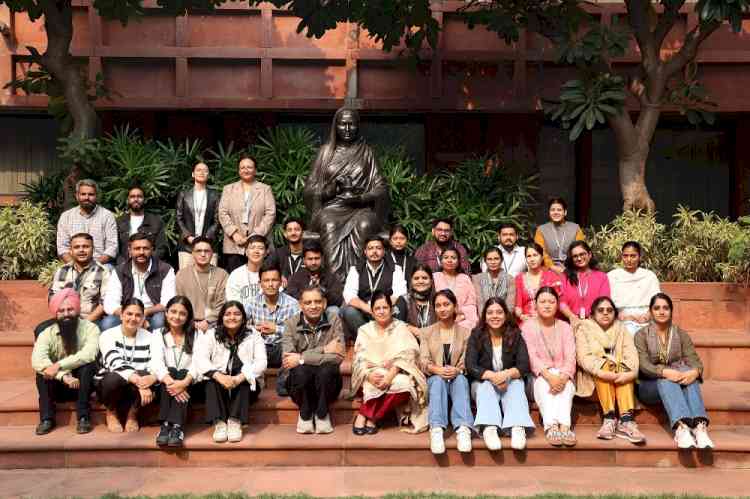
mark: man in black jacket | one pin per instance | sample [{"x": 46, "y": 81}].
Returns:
[
  {"x": 196, "y": 215},
  {"x": 289, "y": 258},
  {"x": 136, "y": 220},
  {"x": 314, "y": 274}
]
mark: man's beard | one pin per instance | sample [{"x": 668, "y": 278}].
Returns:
[{"x": 69, "y": 334}]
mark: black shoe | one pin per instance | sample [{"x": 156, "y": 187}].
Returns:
[
  {"x": 45, "y": 426},
  {"x": 176, "y": 436},
  {"x": 359, "y": 431},
  {"x": 371, "y": 430},
  {"x": 162, "y": 438},
  {"x": 84, "y": 425}
]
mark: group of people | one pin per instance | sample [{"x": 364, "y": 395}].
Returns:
[{"x": 539, "y": 323}]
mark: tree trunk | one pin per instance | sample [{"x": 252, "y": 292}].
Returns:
[
  {"x": 633, "y": 183},
  {"x": 58, "y": 22}
]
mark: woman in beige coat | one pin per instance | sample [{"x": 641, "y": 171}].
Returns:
[
  {"x": 247, "y": 207},
  {"x": 606, "y": 353}
]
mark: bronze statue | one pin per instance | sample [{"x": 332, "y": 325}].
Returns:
[{"x": 345, "y": 195}]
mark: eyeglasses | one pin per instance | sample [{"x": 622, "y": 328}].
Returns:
[
  {"x": 605, "y": 310},
  {"x": 579, "y": 256}
]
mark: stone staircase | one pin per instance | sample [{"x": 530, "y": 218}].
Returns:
[{"x": 715, "y": 314}]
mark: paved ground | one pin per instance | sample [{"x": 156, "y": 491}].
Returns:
[{"x": 372, "y": 481}]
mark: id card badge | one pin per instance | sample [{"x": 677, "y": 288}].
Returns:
[{"x": 582, "y": 313}]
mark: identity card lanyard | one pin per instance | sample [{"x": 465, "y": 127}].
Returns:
[
  {"x": 510, "y": 265},
  {"x": 294, "y": 267},
  {"x": 582, "y": 292},
  {"x": 379, "y": 274},
  {"x": 560, "y": 244}
]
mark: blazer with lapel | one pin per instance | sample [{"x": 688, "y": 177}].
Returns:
[
  {"x": 431, "y": 348},
  {"x": 231, "y": 207},
  {"x": 186, "y": 217}
]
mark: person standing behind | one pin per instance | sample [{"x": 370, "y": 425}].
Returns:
[
  {"x": 203, "y": 284},
  {"x": 92, "y": 219},
  {"x": 557, "y": 235},
  {"x": 137, "y": 220},
  {"x": 247, "y": 208},
  {"x": 313, "y": 348},
  {"x": 429, "y": 253},
  {"x": 289, "y": 258},
  {"x": 398, "y": 251},
  {"x": 64, "y": 358},
  {"x": 196, "y": 213},
  {"x": 514, "y": 257},
  {"x": 583, "y": 283},
  {"x": 632, "y": 287},
  {"x": 244, "y": 281},
  {"x": 85, "y": 275},
  {"x": 313, "y": 274},
  {"x": 142, "y": 276}
]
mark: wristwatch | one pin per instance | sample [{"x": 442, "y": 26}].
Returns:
[{"x": 301, "y": 361}]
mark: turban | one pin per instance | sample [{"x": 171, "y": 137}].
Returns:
[{"x": 65, "y": 294}]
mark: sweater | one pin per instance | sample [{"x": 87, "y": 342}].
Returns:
[
  {"x": 49, "y": 349},
  {"x": 125, "y": 356},
  {"x": 563, "y": 355},
  {"x": 206, "y": 296}
]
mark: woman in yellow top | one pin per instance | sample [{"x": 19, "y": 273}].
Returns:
[{"x": 557, "y": 235}]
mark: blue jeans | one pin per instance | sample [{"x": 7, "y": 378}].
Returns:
[
  {"x": 441, "y": 391},
  {"x": 515, "y": 406},
  {"x": 156, "y": 321},
  {"x": 680, "y": 402}
]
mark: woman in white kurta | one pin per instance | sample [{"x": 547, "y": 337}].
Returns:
[{"x": 631, "y": 288}]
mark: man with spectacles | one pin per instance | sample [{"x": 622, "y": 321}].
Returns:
[
  {"x": 203, "y": 284},
  {"x": 429, "y": 253}
]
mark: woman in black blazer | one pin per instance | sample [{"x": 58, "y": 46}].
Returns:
[
  {"x": 197, "y": 204},
  {"x": 497, "y": 362}
]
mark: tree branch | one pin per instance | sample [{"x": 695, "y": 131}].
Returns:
[
  {"x": 689, "y": 49},
  {"x": 666, "y": 21},
  {"x": 638, "y": 14}
]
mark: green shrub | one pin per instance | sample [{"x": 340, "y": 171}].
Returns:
[{"x": 28, "y": 240}]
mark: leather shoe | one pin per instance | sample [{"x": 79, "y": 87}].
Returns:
[
  {"x": 359, "y": 431},
  {"x": 45, "y": 426},
  {"x": 84, "y": 425},
  {"x": 371, "y": 430}
]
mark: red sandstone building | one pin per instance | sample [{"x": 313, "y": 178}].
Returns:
[{"x": 224, "y": 76}]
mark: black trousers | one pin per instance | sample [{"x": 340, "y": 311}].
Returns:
[
  {"x": 172, "y": 411},
  {"x": 233, "y": 261},
  {"x": 313, "y": 388},
  {"x": 52, "y": 390},
  {"x": 116, "y": 394},
  {"x": 222, "y": 404}
]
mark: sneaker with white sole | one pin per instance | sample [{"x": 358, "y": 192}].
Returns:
[
  {"x": 518, "y": 437},
  {"x": 491, "y": 438},
  {"x": 323, "y": 425},
  {"x": 305, "y": 426},
  {"x": 607, "y": 431},
  {"x": 702, "y": 440},
  {"x": 630, "y": 432},
  {"x": 437, "y": 443},
  {"x": 683, "y": 437},
  {"x": 220, "y": 432},
  {"x": 463, "y": 439},
  {"x": 234, "y": 430}
]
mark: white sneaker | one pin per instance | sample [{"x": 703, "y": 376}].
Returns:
[
  {"x": 491, "y": 438},
  {"x": 234, "y": 430},
  {"x": 305, "y": 426},
  {"x": 220, "y": 432},
  {"x": 683, "y": 437},
  {"x": 518, "y": 437},
  {"x": 702, "y": 440},
  {"x": 437, "y": 443},
  {"x": 463, "y": 437},
  {"x": 323, "y": 425}
]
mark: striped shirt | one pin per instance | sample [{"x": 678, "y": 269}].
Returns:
[
  {"x": 99, "y": 224},
  {"x": 123, "y": 355},
  {"x": 89, "y": 283},
  {"x": 257, "y": 311}
]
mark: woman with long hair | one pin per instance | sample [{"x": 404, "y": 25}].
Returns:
[
  {"x": 398, "y": 251},
  {"x": 451, "y": 277},
  {"x": 497, "y": 362},
  {"x": 232, "y": 358},
  {"x": 442, "y": 352},
  {"x": 172, "y": 364},
  {"x": 495, "y": 281},
  {"x": 415, "y": 308},
  {"x": 583, "y": 283},
  {"x": 529, "y": 282},
  {"x": 671, "y": 373},
  {"x": 552, "y": 358}
]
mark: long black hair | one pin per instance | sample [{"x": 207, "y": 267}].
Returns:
[
  {"x": 509, "y": 331},
  {"x": 459, "y": 267},
  {"x": 450, "y": 296},
  {"x": 189, "y": 327},
  {"x": 221, "y": 333},
  {"x": 570, "y": 268}
]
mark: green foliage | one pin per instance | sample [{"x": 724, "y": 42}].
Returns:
[
  {"x": 47, "y": 272},
  {"x": 737, "y": 269},
  {"x": 28, "y": 240},
  {"x": 47, "y": 190}
]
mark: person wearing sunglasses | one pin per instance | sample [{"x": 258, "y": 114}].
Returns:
[{"x": 608, "y": 362}]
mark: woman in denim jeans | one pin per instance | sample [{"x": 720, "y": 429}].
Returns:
[{"x": 671, "y": 372}]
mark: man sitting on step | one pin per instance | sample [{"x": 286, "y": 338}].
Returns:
[
  {"x": 64, "y": 360},
  {"x": 314, "y": 347}
]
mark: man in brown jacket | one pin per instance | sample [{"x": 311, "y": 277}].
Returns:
[
  {"x": 203, "y": 284},
  {"x": 313, "y": 349}
]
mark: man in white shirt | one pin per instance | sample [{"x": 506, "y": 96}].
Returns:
[
  {"x": 141, "y": 276},
  {"x": 363, "y": 279},
  {"x": 514, "y": 257},
  {"x": 137, "y": 220}
]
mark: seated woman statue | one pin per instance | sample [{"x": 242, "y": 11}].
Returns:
[{"x": 345, "y": 195}]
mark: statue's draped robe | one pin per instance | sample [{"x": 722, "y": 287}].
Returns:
[{"x": 343, "y": 227}]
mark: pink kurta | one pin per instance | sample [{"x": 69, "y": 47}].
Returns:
[
  {"x": 465, "y": 294},
  {"x": 525, "y": 296},
  {"x": 539, "y": 356},
  {"x": 591, "y": 285}
]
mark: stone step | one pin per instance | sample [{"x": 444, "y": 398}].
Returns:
[
  {"x": 727, "y": 402},
  {"x": 279, "y": 445}
]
